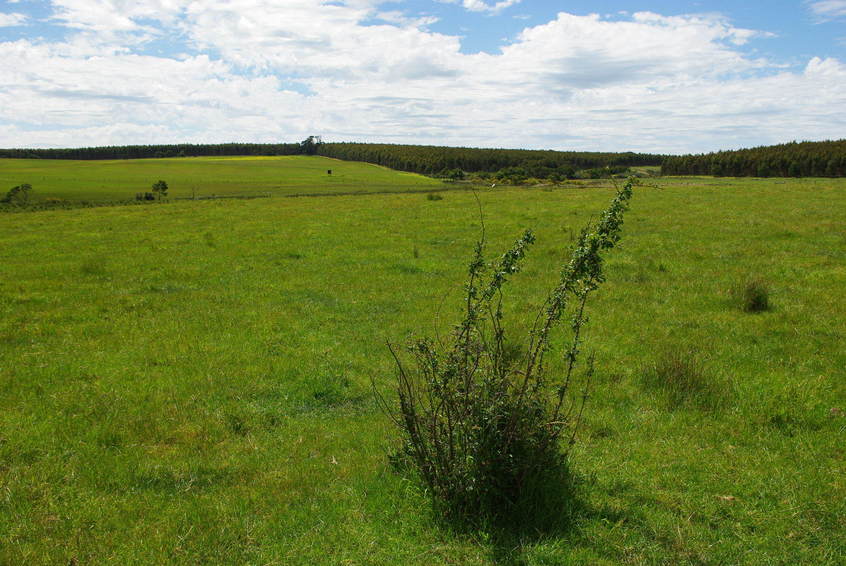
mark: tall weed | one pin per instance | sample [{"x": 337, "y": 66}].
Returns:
[{"x": 485, "y": 425}]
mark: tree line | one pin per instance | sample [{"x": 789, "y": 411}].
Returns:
[
  {"x": 156, "y": 151},
  {"x": 447, "y": 161},
  {"x": 795, "y": 159},
  {"x": 803, "y": 159}
]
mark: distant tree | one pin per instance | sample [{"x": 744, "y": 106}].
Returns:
[
  {"x": 309, "y": 145},
  {"x": 160, "y": 188},
  {"x": 18, "y": 195}
]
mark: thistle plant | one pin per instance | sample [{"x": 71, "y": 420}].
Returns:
[{"x": 488, "y": 427}]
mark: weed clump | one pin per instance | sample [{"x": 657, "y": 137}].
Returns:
[
  {"x": 682, "y": 375},
  {"x": 484, "y": 424},
  {"x": 754, "y": 296},
  {"x": 434, "y": 196}
]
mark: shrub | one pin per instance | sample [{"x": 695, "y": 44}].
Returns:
[
  {"x": 160, "y": 187},
  {"x": 482, "y": 420},
  {"x": 434, "y": 196},
  {"x": 452, "y": 174},
  {"x": 18, "y": 195}
]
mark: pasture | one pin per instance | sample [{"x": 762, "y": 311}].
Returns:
[
  {"x": 120, "y": 180},
  {"x": 190, "y": 383}
]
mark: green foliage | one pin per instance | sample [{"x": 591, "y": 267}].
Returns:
[
  {"x": 510, "y": 165},
  {"x": 310, "y": 145},
  {"x": 606, "y": 172},
  {"x": 18, "y": 195},
  {"x": 452, "y": 174},
  {"x": 154, "y": 151},
  {"x": 805, "y": 159},
  {"x": 482, "y": 421},
  {"x": 160, "y": 188}
]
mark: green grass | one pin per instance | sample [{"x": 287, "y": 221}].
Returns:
[
  {"x": 190, "y": 383},
  {"x": 118, "y": 180}
]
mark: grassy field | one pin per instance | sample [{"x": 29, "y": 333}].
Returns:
[
  {"x": 118, "y": 180},
  {"x": 190, "y": 383}
]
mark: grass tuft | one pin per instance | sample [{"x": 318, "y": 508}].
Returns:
[
  {"x": 753, "y": 296},
  {"x": 94, "y": 266},
  {"x": 682, "y": 375}
]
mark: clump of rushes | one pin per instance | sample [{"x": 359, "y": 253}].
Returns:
[
  {"x": 755, "y": 296},
  {"x": 488, "y": 429},
  {"x": 682, "y": 375}
]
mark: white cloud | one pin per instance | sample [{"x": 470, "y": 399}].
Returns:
[
  {"x": 482, "y": 6},
  {"x": 114, "y": 15},
  {"x": 9, "y": 20},
  {"x": 829, "y": 9},
  {"x": 261, "y": 71}
]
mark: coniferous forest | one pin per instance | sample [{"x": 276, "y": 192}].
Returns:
[
  {"x": 509, "y": 163},
  {"x": 803, "y": 159},
  {"x": 155, "y": 151}
]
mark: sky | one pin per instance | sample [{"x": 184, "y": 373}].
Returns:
[{"x": 651, "y": 75}]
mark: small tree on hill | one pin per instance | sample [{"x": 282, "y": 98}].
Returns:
[{"x": 160, "y": 188}]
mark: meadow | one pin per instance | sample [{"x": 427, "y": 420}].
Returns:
[
  {"x": 191, "y": 383},
  {"x": 187, "y": 177}
]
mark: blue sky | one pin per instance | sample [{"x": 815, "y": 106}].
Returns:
[
  {"x": 797, "y": 30},
  {"x": 654, "y": 75}
]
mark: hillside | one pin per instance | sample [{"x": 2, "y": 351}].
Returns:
[{"x": 121, "y": 180}]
